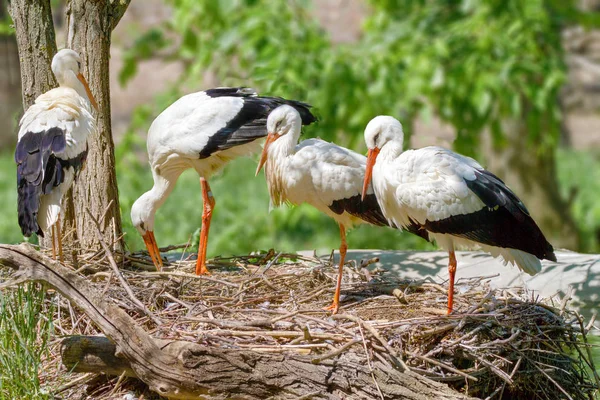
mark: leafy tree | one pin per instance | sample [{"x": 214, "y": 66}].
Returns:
[{"x": 490, "y": 68}]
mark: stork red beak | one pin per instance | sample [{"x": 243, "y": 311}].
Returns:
[
  {"x": 88, "y": 91},
  {"x": 371, "y": 159},
  {"x": 271, "y": 137},
  {"x": 153, "y": 249}
]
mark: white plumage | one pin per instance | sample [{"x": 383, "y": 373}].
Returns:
[
  {"x": 451, "y": 197},
  {"x": 52, "y": 145},
  {"x": 202, "y": 131},
  {"x": 322, "y": 174}
]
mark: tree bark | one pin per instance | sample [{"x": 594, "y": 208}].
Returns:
[
  {"x": 186, "y": 370},
  {"x": 10, "y": 84},
  {"x": 90, "y": 25},
  {"x": 531, "y": 174},
  {"x": 37, "y": 46}
]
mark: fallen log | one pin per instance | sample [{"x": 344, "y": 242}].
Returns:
[{"x": 186, "y": 370}]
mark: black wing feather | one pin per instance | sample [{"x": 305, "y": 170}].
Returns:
[
  {"x": 504, "y": 222},
  {"x": 370, "y": 211},
  {"x": 39, "y": 171},
  {"x": 250, "y": 122}
]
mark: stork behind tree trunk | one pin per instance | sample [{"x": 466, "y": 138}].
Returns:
[{"x": 52, "y": 147}]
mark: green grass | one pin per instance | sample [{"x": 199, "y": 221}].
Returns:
[{"x": 24, "y": 332}]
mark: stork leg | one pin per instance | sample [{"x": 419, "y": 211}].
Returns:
[
  {"x": 335, "y": 306},
  {"x": 451, "y": 273},
  {"x": 59, "y": 240},
  {"x": 53, "y": 242},
  {"x": 209, "y": 204}
]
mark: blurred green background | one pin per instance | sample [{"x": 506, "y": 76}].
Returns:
[{"x": 492, "y": 79}]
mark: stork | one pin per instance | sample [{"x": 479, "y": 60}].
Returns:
[
  {"x": 452, "y": 198},
  {"x": 203, "y": 131},
  {"x": 52, "y": 147},
  {"x": 322, "y": 174}
]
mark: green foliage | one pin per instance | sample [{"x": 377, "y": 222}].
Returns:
[
  {"x": 475, "y": 62},
  {"x": 25, "y": 327},
  {"x": 579, "y": 178}
]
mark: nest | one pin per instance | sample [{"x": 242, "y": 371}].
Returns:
[{"x": 500, "y": 344}]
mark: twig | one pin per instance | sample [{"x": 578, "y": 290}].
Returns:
[
  {"x": 190, "y": 276},
  {"x": 376, "y": 335},
  {"x": 364, "y": 342},
  {"x": 441, "y": 364},
  {"x": 115, "y": 269},
  {"x": 335, "y": 352},
  {"x": 77, "y": 381}
]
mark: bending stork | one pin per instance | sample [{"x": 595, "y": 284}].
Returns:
[
  {"x": 52, "y": 147},
  {"x": 322, "y": 174},
  {"x": 452, "y": 198},
  {"x": 202, "y": 131}
]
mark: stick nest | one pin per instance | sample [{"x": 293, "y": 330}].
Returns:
[{"x": 500, "y": 344}]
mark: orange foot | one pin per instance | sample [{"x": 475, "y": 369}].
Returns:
[
  {"x": 334, "y": 307},
  {"x": 202, "y": 270}
]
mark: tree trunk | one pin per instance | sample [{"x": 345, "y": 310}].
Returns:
[
  {"x": 36, "y": 44},
  {"x": 531, "y": 174},
  {"x": 90, "y": 24},
  {"x": 10, "y": 84}
]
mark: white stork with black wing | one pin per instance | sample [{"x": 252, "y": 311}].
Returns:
[
  {"x": 322, "y": 174},
  {"x": 452, "y": 198},
  {"x": 52, "y": 146},
  {"x": 202, "y": 131}
]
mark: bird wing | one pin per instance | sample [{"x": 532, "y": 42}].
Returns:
[
  {"x": 448, "y": 193},
  {"x": 52, "y": 138},
  {"x": 201, "y": 124},
  {"x": 431, "y": 184},
  {"x": 330, "y": 177}
]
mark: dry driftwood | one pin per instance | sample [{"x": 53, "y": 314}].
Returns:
[{"x": 182, "y": 370}]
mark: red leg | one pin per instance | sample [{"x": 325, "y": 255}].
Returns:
[
  {"x": 451, "y": 273},
  {"x": 53, "y": 234},
  {"x": 209, "y": 204},
  {"x": 335, "y": 306},
  {"x": 59, "y": 240}
]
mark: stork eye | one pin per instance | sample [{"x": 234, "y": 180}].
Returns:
[
  {"x": 79, "y": 64},
  {"x": 278, "y": 124},
  {"x": 376, "y": 138},
  {"x": 142, "y": 226}
]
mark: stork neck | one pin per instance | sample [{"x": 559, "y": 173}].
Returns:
[
  {"x": 69, "y": 79},
  {"x": 284, "y": 147},
  {"x": 390, "y": 151},
  {"x": 277, "y": 159}
]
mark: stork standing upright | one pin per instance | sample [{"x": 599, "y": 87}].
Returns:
[
  {"x": 203, "y": 131},
  {"x": 452, "y": 198},
  {"x": 52, "y": 147},
  {"x": 322, "y": 174}
]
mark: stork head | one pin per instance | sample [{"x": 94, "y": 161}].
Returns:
[
  {"x": 66, "y": 66},
  {"x": 379, "y": 131},
  {"x": 142, "y": 217},
  {"x": 281, "y": 121}
]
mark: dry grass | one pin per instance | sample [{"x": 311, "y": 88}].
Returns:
[{"x": 499, "y": 345}]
